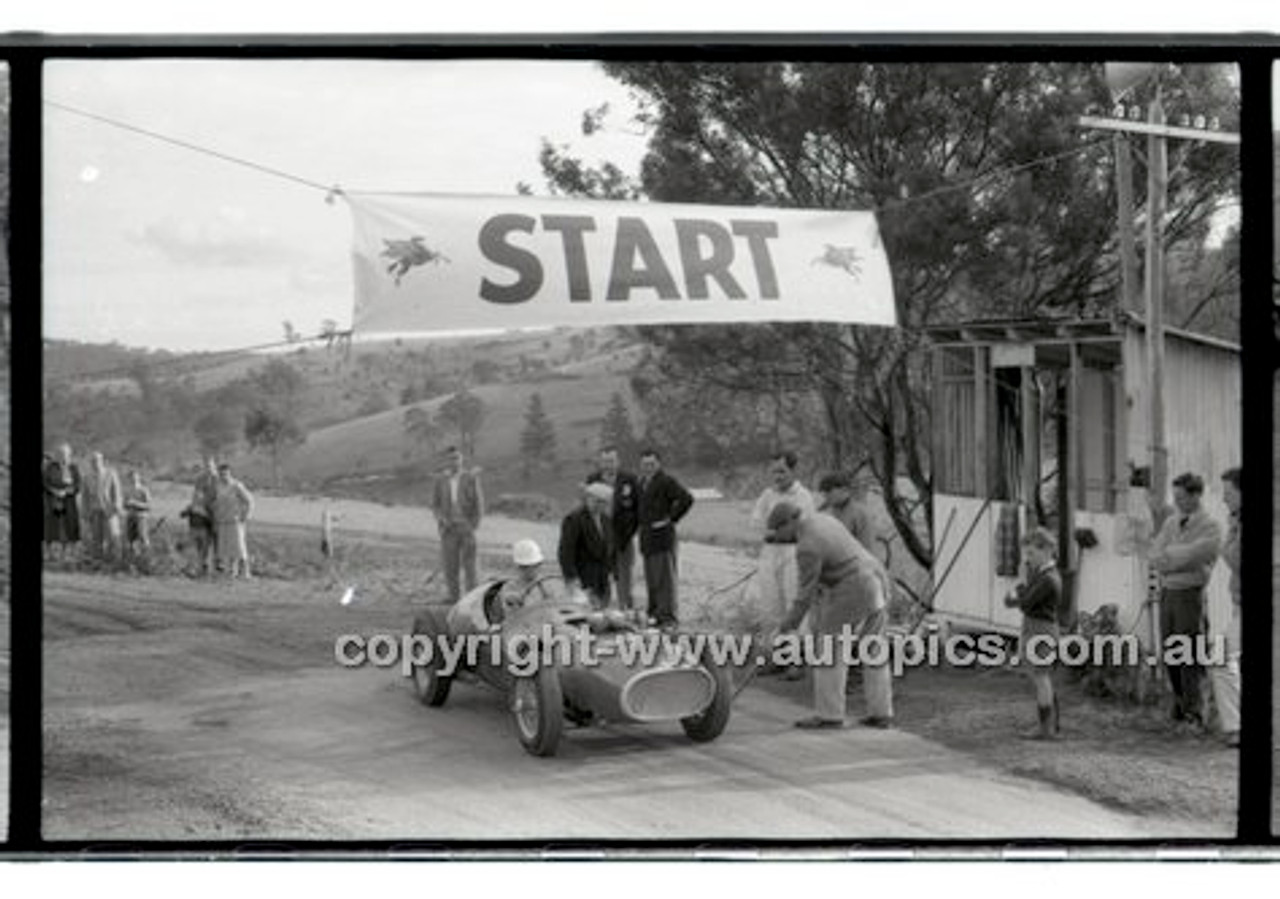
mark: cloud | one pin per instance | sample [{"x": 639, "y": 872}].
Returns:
[{"x": 227, "y": 240}]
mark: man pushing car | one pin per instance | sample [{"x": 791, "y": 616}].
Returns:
[{"x": 854, "y": 594}]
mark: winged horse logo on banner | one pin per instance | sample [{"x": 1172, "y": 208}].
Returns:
[
  {"x": 405, "y": 254},
  {"x": 845, "y": 258}
]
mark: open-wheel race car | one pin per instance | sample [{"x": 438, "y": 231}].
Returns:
[{"x": 605, "y": 685}]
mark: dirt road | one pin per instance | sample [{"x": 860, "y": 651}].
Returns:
[{"x": 187, "y": 710}]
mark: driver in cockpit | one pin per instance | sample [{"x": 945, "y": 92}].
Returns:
[{"x": 490, "y": 603}]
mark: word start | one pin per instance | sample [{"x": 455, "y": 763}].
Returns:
[{"x": 708, "y": 252}]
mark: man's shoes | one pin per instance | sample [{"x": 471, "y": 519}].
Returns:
[
  {"x": 794, "y": 672},
  {"x": 816, "y": 723},
  {"x": 882, "y": 722}
]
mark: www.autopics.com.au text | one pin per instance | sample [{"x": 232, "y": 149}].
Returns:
[{"x": 523, "y": 653}]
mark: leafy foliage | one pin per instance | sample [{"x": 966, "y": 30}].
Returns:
[
  {"x": 275, "y": 430},
  {"x": 538, "y": 438},
  {"x": 464, "y": 414},
  {"x": 991, "y": 200},
  {"x": 616, "y": 430},
  {"x": 421, "y": 430},
  {"x": 217, "y": 431}
]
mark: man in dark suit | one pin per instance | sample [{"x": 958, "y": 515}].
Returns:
[
  {"x": 458, "y": 504},
  {"x": 624, "y": 516},
  {"x": 586, "y": 544},
  {"x": 663, "y": 502}
]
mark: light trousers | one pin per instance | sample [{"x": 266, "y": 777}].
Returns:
[
  {"x": 1226, "y": 678},
  {"x": 830, "y": 681}
]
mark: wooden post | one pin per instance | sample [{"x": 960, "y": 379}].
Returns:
[
  {"x": 981, "y": 412},
  {"x": 1157, "y": 182},
  {"x": 1075, "y": 497},
  {"x": 1129, "y": 299},
  {"x": 938, "y": 471},
  {"x": 1030, "y": 442}
]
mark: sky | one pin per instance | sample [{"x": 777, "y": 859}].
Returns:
[{"x": 155, "y": 245}]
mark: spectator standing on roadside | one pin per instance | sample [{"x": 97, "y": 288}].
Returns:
[
  {"x": 61, "y": 503},
  {"x": 624, "y": 518},
  {"x": 777, "y": 580},
  {"x": 327, "y": 519},
  {"x": 1183, "y": 552},
  {"x": 1038, "y": 598},
  {"x": 104, "y": 505},
  {"x": 458, "y": 504},
  {"x": 841, "y": 586},
  {"x": 232, "y": 506},
  {"x": 663, "y": 502},
  {"x": 586, "y": 553},
  {"x": 199, "y": 515},
  {"x": 137, "y": 506},
  {"x": 1226, "y": 680}
]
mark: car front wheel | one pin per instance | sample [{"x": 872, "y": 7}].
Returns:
[
  {"x": 711, "y": 721},
  {"x": 537, "y": 705},
  {"x": 429, "y": 685}
]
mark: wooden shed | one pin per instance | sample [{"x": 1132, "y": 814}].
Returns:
[{"x": 1048, "y": 422}]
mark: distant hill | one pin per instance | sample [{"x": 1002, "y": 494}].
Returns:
[
  {"x": 576, "y": 396},
  {"x": 354, "y": 400},
  {"x": 101, "y": 361}
]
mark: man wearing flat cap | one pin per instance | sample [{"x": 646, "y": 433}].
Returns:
[
  {"x": 586, "y": 551},
  {"x": 844, "y": 586}
]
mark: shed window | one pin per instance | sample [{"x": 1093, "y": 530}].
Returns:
[{"x": 955, "y": 452}]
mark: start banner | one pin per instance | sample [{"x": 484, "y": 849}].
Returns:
[{"x": 430, "y": 262}]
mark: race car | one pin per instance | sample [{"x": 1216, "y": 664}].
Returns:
[{"x": 606, "y": 685}]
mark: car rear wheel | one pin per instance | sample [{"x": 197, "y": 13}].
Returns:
[
  {"x": 711, "y": 721},
  {"x": 429, "y": 685},
  {"x": 537, "y": 705}
]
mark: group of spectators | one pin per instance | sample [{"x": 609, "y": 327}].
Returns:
[
  {"x": 90, "y": 514},
  {"x": 1183, "y": 553},
  {"x": 217, "y": 520},
  {"x": 598, "y": 539},
  {"x": 818, "y": 572}
]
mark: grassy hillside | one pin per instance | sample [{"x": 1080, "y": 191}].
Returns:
[{"x": 357, "y": 450}]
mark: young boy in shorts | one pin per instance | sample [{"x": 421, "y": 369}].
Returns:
[{"x": 1038, "y": 599}]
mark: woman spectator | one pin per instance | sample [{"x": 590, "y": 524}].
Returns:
[
  {"x": 61, "y": 504},
  {"x": 232, "y": 506}
]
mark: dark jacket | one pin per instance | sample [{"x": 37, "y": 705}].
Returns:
[
  {"x": 585, "y": 553},
  {"x": 626, "y": 504},
  {"x": 1040, "y": 596},
  {"x": 663, "y": 502},
  {"x": 470, "y": 508},
  {"x": 62, "y": 502}
]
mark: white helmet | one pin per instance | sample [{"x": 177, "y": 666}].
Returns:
[{"x": 526, "y": 552}]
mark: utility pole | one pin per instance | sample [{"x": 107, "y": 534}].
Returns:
[
  {"x": 1158, "y": 133},
  {"x": 1124, "y": 223},
  {"x": 1153, "y": 298}
]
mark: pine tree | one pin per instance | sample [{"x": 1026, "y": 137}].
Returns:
[
  {"x": 538, "y": 439},
  {"x": 615, "y": 429}
]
